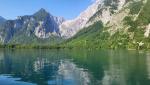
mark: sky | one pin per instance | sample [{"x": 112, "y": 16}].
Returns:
[{"x": 68, "y": 9}]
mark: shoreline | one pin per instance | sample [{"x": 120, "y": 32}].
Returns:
[{"x": 61, "y": 47}]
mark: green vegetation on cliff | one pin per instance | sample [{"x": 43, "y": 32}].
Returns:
[{"x": 96, "y": 36}]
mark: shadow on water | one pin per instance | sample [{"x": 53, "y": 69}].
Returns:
[{"x": 74, "y": 67}]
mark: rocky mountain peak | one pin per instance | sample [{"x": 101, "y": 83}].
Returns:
[
  {"x": 71, "y": 27},
  {"x": 42, "y": 14},
  {"x": 42, "y": 11},
  {"x": 105, "y": 8},
  {"x": 41, "y": 25}
]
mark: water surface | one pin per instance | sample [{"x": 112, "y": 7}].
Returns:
[{"x": 74, "y": 67}]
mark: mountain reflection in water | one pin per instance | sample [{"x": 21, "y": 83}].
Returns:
[{"x": 74, "y": 67}]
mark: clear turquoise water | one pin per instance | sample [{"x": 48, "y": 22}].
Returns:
[{"x": 74, "y": 67}]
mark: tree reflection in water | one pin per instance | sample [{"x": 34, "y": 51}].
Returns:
[{"x": 74, "y": 67}]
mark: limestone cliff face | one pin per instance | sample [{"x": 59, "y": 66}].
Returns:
[
  {"x": 100, "y": 10},
  {"x": 41, "y": 25},
  {"x": 114, "y": 12},
  {"x": 116, "y": 23},
  {"x": 71, "y": 27}
]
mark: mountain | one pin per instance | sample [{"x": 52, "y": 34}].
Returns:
[
  {"x": 40, "y": 27},
  {"x": 2, "y": 19},
  {"x": 105, "y": 7},
  {"x": 104, "y": 24},
  {"x": 116, "y": 24},
  {"x": 70, "y": 27}
]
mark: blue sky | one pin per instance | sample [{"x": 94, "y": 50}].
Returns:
[{"x": 68, "y": 9}]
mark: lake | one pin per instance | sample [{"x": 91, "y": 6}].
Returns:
[{"x": 74, "y": 67}]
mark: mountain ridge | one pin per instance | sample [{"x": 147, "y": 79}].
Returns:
[
  {"x": 2, "y": 19},
  {"x": 41, "y": 25},
  {"x": 104, "y": 24},
  {"x": 128, "y": 28}
]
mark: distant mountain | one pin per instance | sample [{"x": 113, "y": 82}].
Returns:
[
  {"x": 2, "y": 19},
  {"x": 35, "y": 28}
]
